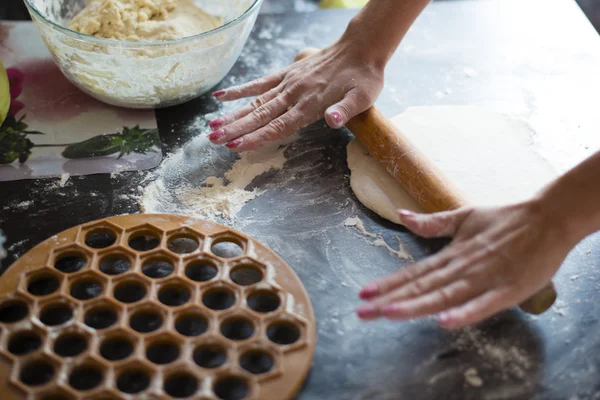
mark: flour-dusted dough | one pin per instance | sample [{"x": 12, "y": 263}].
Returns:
[
  {"x": 487, "y": 155},
  {"x": 143, "y": 20}
]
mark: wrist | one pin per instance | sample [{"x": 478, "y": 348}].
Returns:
[
  {"x": 363, "y": 43},
  {"x": 560, "y": 205},
  {"x": 379, "y": 27}
]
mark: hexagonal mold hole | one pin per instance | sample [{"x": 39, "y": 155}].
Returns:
[
  {"x": 162, "y": 351},
  {"x": 159, "y": 267},
  {"x": 70, "y": 344},
  {"x": 114, "y": 264},
  {"x": 191, "y": 324},
  {"x": 85, "y": 377},
  {"x": 231, "y": 387},
  {"x": 43, "y": 284},
  {"x": 257, "y": 361},
  {"x": 227, "y": 248},
  {"x": 246, "y": 275},
  {"x": 116, "y": 348},
  {"x": 70, "y": 262},
  {"x": 130, "y": 291},
  {"x": 181, "y": 385},
  {"x": 263, "y": 301},
  {"x": 133, "y": 380},
  {"x": 146, "y": 320},
  {"x": 183, "y": 243},
  {"x": 174, "y": 295},
  {"x": 218, "y": 298},
  {"x": 24, "y": 342},
  {"x": 13, "y": 310},
  {"x": 143, "y": 240},
  {"x": 86, "y": 288},
  {"x": 36, "y": 372},
  {"x": 55, "y": 314},
  {"x": 100, "y": 238},
  {"x": 237, "y": 328},
  {"x": 201, "y": 270},
  {"x": 101, "y": 316},
  {"x": 283, "y": 332},
  {"x": 211, "y": 355}
]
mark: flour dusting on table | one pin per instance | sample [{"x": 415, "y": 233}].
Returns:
[{"x": 211, "y": 197}]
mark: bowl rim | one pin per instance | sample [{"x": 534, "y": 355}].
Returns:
[{"x": 156, "y": 43}]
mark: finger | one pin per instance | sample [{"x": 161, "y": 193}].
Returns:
[
  {"x": 452, "y": 295},
  {"x": 353, "y": 103},
  {"x": 247, "y": 109},
  {"x": 478, "y": 309},
  {"x": 257, "y": 119},
  {"x": 443, "y": 275},
  {"x": 283, "y": 126},
  {"x": 441, "y": 224},
  {"x": 411, "y": 273},
  {"x": 253, "y": 88}
]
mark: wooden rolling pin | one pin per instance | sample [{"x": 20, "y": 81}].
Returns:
[{"x": 418, "y": 175}]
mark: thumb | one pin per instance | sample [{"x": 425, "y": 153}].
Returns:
[
  {"x": 441, "y": 224},
  {"x": 350, "y": 106}
]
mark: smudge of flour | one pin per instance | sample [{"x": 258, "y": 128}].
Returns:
[
  {"x": 357, "y": 223},
  {"x": 212, "y": 197}
]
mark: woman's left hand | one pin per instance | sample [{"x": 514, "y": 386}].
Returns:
[{"x": 498, "y": 258}]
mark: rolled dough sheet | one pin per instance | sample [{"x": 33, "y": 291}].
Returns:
[{"x": 489, "y": 156}]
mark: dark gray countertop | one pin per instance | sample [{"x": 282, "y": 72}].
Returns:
[{"x": 504, "y": 54}]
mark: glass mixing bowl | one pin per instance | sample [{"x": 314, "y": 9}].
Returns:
[{"x": 145, "y": 74}]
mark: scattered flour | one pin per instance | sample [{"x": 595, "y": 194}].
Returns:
[
  {"x": 212, "y": 197},
  {"x": 14, "y": 246},
  {"x": 357, "y": 223},
  {"x": 24, "y": 205},
  {"x": 508, "y": 360}
]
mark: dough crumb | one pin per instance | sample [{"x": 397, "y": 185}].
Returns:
[
  {"x": 472, "y": 378},
  {"x": 358, "y": 224},
  {"x": 64, "y": 178}
]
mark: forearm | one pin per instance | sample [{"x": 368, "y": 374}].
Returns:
[
  {"x": 381, "y": 24},
  {"x": 574, "y": 199}
]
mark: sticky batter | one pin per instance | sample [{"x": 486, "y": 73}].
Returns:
[{"x": 143, "y": 20}]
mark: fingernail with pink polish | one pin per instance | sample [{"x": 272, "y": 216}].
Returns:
[
  {"x": 218, "y": 93},
  {"x": 216, "y": 123},
  {"x": 443, "y": 317},
  {"x": 406, "y": 214},
  {"x": 366, "y": 311},
  {"x": 337, "y": 117},
  {"x": 369, "y": 291},
  {"x": 234, "y": 143},
  {"x": 216, "y": 135}
]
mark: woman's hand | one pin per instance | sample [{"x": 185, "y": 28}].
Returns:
[
  {"x": 337, "y": 82},
  {"x": 497, "y": 259}
]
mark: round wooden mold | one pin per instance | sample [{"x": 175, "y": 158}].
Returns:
[{"x": 153, "y": 307}]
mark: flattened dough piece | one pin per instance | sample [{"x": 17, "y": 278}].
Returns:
[{"x": 487, "y": 155}]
